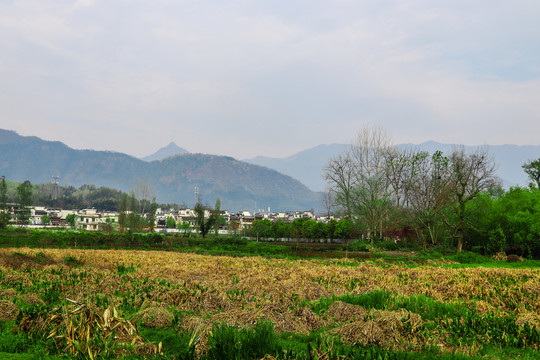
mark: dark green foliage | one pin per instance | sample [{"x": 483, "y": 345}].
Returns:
[
  {"x": 224, "y": 342},
  {"x": 260, "y": 341},
  {"x": 228, "y": 342},
  {"x": 11, "y": 342},
  {"x": 361, "y": 245},
  {"x": 123, "y": 269},
  {"x": 24, "y": 201},
  {"x": 170, "y": 223},
  {"x": 180, "y": 344},
  {"x": 496, "y": 241},
  {"x": 204, "y": 223},
  {"x": 469, "y": 258},
  {"x": 428, "y": 308},
  {"x": 4, "y": 210}
]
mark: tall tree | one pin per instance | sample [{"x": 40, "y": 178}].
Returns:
[
  {"x": 328, "y": 199},
  {"x": 144, "y": 192},
  {"x": 469, "y": 175},
  {"x": 360, "y": 179},
  {"x": 217, "y": 216},
  {"x": 427, "y": 193},
  {"x": 532, "y": 169},
  {"x": 4, "y": 209},
  {"x": 133, "y": 218},
  {"x": 339, "y": 174},
  {"x": 71, "y": 219},
  {"x": 152, "y": 215},
  {"x": 370, "y": 153},
  {"x": 203, "y": 223},
  {"x": 122, "y": 215},
  {"x": 24, "y": 201}
]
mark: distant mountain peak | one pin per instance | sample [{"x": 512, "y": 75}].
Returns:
[{"x": 165, "y": 152}]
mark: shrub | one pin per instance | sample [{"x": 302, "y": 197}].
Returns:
[{"x": 469, "y": 258}]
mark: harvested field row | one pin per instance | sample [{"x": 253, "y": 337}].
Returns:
[{"x": 160, "y": 289}]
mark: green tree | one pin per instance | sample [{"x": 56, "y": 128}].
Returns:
[
  {"x": 313, "y": 229},
  {"x": 170, "y": 223},
  {"x": 4, "y": 209},
  {"x": 204, "y": 223},
  {"x": 281, "y": 229},
  {"x": 261, "y": 228},
  {"x": 122, "y": 216},
  {"x": 134, "y": 219},
  {"x": 344, "y": 229},
  {"x": 152, "y": 215},
  {"x": 532, "y": 169},
  {"x": 24, "y": 201},
  {"x": 217, "y": 216},
  {"x": 185, "y": 226},
  {"x": 71, "y": 219},
  {"x": 108, "y": 225},
  {"x": 45, "y": 219},
  {"x": 331, "y": 229},
  {"x": 517, "y": 213}
]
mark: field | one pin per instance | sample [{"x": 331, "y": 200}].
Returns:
[{"x": 167, "y": 304}]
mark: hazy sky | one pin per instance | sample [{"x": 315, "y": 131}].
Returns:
[{"x": 246, "y": 78}]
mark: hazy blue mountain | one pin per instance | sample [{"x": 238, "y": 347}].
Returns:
[
  {"x": 307, "y": 166},
  {"x": 165, "y": 152},
  {"x": 239, "y": 185}
]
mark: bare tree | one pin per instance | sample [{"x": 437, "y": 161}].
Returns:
[
  {"x": 428, "y": 192},
  {"x": 359, "y": 178},
  {"x": 340, "y": 176},
  {"x": 144, "y": 192},
  {"x": 328, "y": 199},
  {"x": 371, "y": 152},
  {"x": 400, "y": 169}
]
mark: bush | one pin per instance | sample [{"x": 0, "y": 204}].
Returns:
[
  {"x": 388, "y": 245},
  {"x": 361, "y": 245},
  {"x": 259, "y": 341},
  {"x": 223, "y": 342},
  {"x": 469, "y": 258},
  {"x": 227, "y": 342}
]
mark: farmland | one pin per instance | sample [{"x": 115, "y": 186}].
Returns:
[{"x": 92, "y": 303}]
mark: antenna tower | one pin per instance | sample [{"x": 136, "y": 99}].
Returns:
[
  {"x": 55, "y": 187},
  {"x": 197, "y": 196}
]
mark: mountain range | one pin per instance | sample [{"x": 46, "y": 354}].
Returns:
[
  {"x": 239, "y": 185},
  {"x": 290, "y": 183}
]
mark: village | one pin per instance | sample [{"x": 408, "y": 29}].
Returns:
[{"x": 95, "y": 220}]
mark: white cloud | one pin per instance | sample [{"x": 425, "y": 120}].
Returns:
[{"x": 269, "y": 77}]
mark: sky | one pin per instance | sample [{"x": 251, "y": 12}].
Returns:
[{"x": 268, "y": 77}]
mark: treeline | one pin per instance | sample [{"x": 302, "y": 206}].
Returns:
[
  {"x": 303, "y": 229},
  {"x": 83, "y": 197},
  {"x": 452, "y": 199}
]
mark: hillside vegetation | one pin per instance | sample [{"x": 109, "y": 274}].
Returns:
[{"x": 239, "y": 185}]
